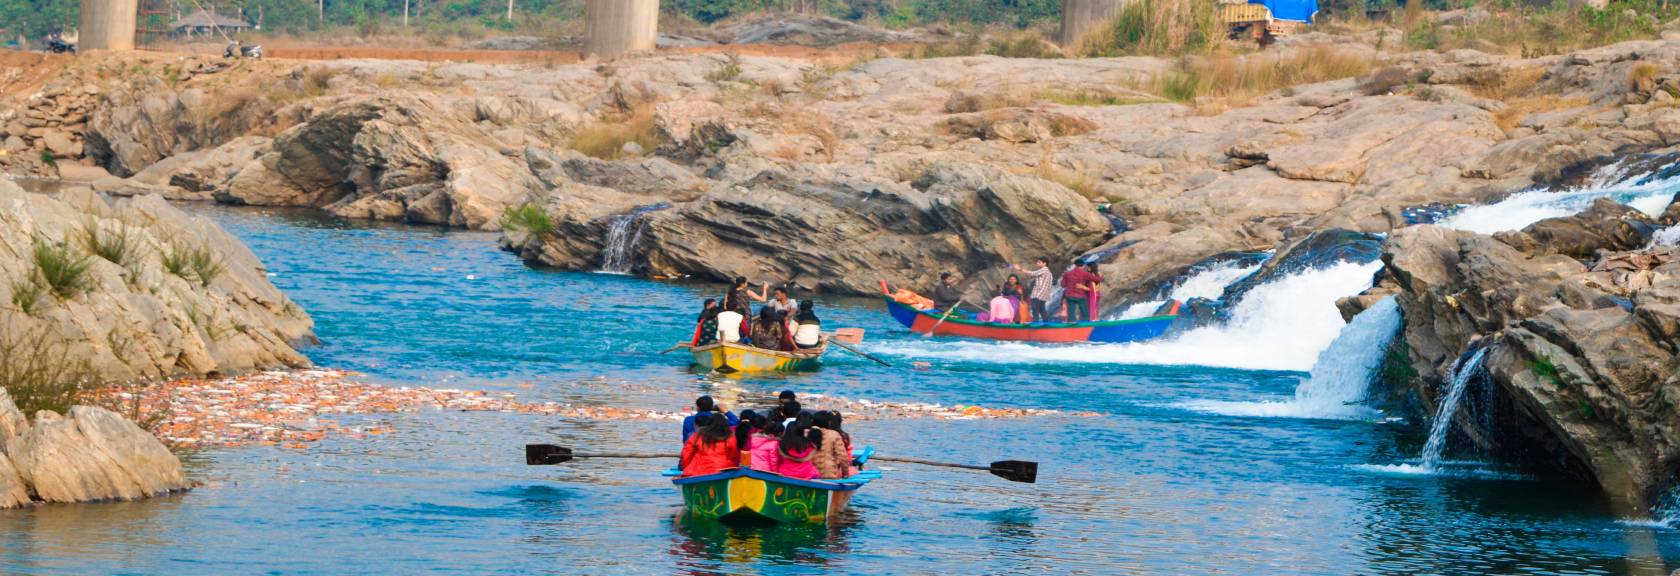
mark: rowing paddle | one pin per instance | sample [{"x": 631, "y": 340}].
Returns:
[
  {"x": 673, "y": 348},
  {"x": 942, "y": 318},
  {"x": 549, "y": 455},
  {"x": 848, "y": 348},
  {"x": 1011, "y": 470}
]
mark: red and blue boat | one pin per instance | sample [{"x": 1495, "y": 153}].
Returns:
[{"x": 1108, "y": 331}]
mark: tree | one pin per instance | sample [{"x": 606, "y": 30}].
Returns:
[{"x": 37, "y": 18}]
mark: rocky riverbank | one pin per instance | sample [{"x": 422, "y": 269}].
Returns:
[
  {"x": 1580, "y": 320},
  {"x": 835, "y": 175}
]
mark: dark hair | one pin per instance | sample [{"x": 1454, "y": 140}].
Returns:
[
  {"x": 807, "y": 312},
  {"x": 944, "y": 275},
  {"x": 791, "y": 409},
  {"x": 787, "y": 395},
  {"x": 704, "y": 404},
  {"x": 715, "y": 429},
  {"x": 709, "y": 310},
  {"x": 800, "y": 437},
  {"x": 773, "y": 428},
  {"x": 767, "y": 315},
  {"x": 831, "y": 420},
  {"x": 1042, "y": 260},
  {"x": 1016, "y": 278},
  {"x": 1092, "y": 265},
  {"x": 740, "y": 281},
  {"x": 782, "y": 289},
  {"x": 750, "y": 420}
]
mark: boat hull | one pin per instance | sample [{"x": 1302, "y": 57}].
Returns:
[
  {"x": 740, "y": 358},
  {"x": 759, "y": 496},
  {"x": 1113, "y": 331}
]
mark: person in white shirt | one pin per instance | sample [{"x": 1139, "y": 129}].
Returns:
[
  {"x": 808, "y": 333},
  {"x": 729, "y": 326}
]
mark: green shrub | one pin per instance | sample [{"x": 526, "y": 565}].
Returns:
[
  {"x": 117, "y": 247},
  {"x": 27, "y": 293},
  {"x": 529, "y": 218},
  {"x": 64, "y": 269},
  {"x": 727, "y": 71},
  {"x": 38, "y": 371},
  {"x": 192, "y": 263}
]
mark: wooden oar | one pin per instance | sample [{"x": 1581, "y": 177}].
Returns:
[
  {"x": 682, "y": 345},
  {"x": 1011, "y": 470},
  {"x": 837, "y": 342},
  {"x": 942, "y": 318},
  {"x": 549, "y": 455}
]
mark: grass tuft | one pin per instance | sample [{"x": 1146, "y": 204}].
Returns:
[
  {"x": 38, "y": 371},
  {"x": 118, "y": 247},
  {"x": 605, "y": 140},
  {"x": 64, "y": 269},
  {"x": 192, "y": 263},
  {"x": 529, "y": 218},
  {"x": 727, "y": 71},
  {"x": 1239, "y": 79}
]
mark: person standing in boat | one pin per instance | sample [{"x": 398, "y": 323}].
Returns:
[
  {"x": 739, "y": 299},
  {"x": 1078, "y": 285},
  {"x": 807, "y": 332},
  {"x": 946, "y": 295},
  {"x": 704, "y": 406},
  {"x": 1043, "y": 284},
  {"x": 711, "y": 449}
]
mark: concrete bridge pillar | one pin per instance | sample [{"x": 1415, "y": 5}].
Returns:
[
  {"x": 1081, "y": 17},
  {"x": 618, "y": 27},
  {"x": 107, "y": 25}
]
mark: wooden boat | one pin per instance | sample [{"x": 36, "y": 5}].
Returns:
[
  {"x": 1113, "y": 331},
  {"x": 742, "y": 494},
  {"x": 741, "y": 358}
]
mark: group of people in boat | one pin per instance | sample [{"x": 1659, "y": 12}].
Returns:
[
  {"x": 1018, "y": 301},
  {"x": 781, "y": 324},
  {"x": 785, "y": 439}
]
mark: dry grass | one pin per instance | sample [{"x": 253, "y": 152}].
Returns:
[
  {"x": 1096, "y": 97},
  {"x": 1236, "y": 80},
  {"x": 1157, "y": 27},
  {"x": 1504, "y": 85},
  {"x": 606, "y": 140},
  {"x": 967, "y": 102},
  {"x": 1642, "y": 77},
  {"x": 1515, "y": 111},
  {"x": 1081, "y": 183}
]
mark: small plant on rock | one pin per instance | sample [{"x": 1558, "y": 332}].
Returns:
[
  {"x": 26, "y": 294},
  {"x": 117, "y": 247},
  {"x": 38, "y": 371},
  {"x": 528, "y": 218},
  {"x": 727, "y": 71},
  {"x": 64, "y": 269},
  {"x": 192, "y": 263}
]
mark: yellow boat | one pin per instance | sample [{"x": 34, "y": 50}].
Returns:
[{"x": 731, "y": 357}]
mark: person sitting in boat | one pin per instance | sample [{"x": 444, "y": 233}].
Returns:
[
  {"x": 1043, "y": 284},
  {"x": 946, "y": 295},
  {"x": 1078, "y": 286},
  {"x": 711, "y": 449},
  {"x": 706, "y": 332},
  {"x": 1017, "y": 295},
  {"x": 791, "y": 411},
  {"x": 729, "y": 323},
  {"x": 795, "y": 450},
  {"x": 1000, "y": 310},
  {"x": 705, "y": 406},
  {"x": 807, "y": 332},
  {"x": 834, "y": 457},
  {"x": 764, "y": 443},
  {"x": 770, "y": 332}
]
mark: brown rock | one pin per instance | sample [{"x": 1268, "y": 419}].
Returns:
[{"x": 91, "y": 455}]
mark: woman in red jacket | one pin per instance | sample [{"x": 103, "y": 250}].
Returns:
[{"x": 711, "y": 449}]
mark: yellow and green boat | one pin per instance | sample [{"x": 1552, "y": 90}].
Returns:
[
  {"x": 750, "y": 495},
  {"x": 732, "y": 357}
]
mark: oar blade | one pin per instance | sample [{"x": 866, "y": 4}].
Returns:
[
  {"x": 1016, "y": 471},
  {"x": 546, "y": 454}
]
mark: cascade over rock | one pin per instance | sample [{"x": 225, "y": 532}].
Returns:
[{"x": 1580, "y": 319}]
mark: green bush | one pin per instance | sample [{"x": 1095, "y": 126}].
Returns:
[
  {"x": 38, "y": 371},
  {"x": 64, "y": 269},
  {"x": 117, "y": 247},
  {"x": 26, "y": 294},
  {"x": 529, "y": 218},
  {"x": 192, "y": 263}
]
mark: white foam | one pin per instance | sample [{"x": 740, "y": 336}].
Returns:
[
  {"x": 1458, "y": 469},
  {"x": 1209, "y": 283},
  {"x": 1340, "y": 376},
  {"x": 1669, "y": 236},
  {"x": 1280, "y": 325},
  {"x": 1526, "y": 208}
]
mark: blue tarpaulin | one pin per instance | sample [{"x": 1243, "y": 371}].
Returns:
[{"x": 1291, "y": 10}]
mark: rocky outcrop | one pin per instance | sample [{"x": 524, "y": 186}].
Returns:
[
  {"x": 162, "y": 293},
  {"x": 88, "y": 455},
  {"x": 1582, "y": 322},
  {"x": 386, "y": 158}
]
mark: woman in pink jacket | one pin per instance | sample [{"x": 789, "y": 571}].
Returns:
[
  {"x": 763, "y": 444},
  {"x": 794, "y": 452}
]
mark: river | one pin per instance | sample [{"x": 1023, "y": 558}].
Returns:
[{"x": 1156, "y": 482}]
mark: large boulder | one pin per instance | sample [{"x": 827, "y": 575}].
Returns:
[
  {"x": 92, "y": 454},
  {"x": 136, "y": 317},
  {"x": 204, "y": 170},
  {"x": 1582, "y": 357},
  {"x": 400, "y": 158}
]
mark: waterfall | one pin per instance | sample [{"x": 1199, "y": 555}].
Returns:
[
  {"x": 1340, "y": 376},
  {"x": 1209, "y": 282},
  {"x": 1447, "y": 407},
  {"x": 1669, "y": 236},
  {"x": 624, "y": 231},
  {"x": 1647, "y": 194}
]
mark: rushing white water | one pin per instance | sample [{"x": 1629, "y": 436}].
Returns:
[
  {"x": 1209, "y": 283},
  {"x": 1340, "y": 376},
  {"x": 1448, "y": 408},
  {"x": 1669, "y": 236},
  {"x": 615, "y": 251},
  {"x": 1526, "y": 208},
  {"x": 1280, "y": 325}
]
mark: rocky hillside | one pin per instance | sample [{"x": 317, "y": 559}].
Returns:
[
  {"x": 137, "y": 289},
  {"x": 995, "y": 160},
  {"x": 1580, "y": 317}
]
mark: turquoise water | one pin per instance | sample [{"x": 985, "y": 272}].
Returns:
[{"x": 1145, "y": 487}]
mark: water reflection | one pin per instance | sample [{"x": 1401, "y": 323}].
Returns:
[{"x": 701, "y": 546}]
